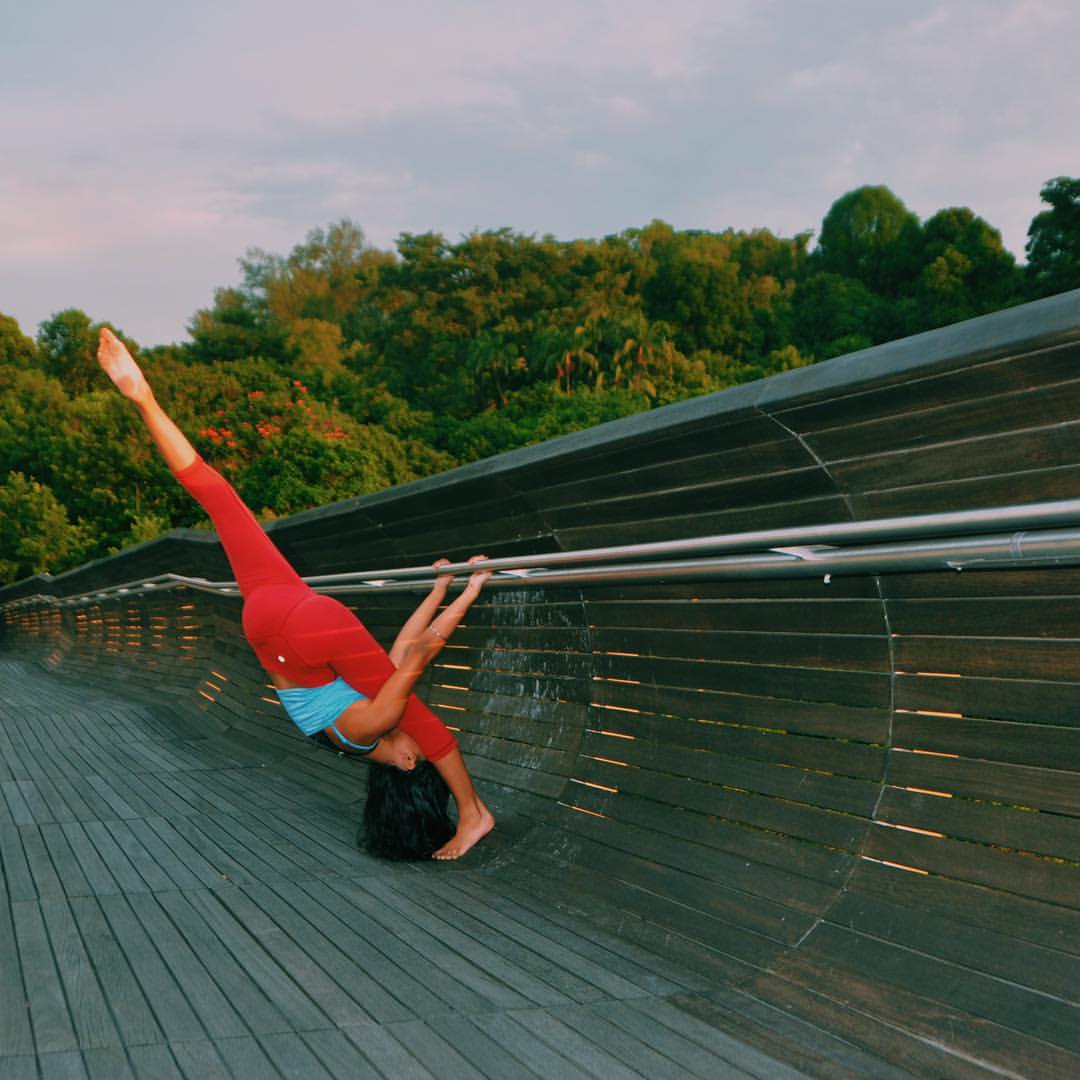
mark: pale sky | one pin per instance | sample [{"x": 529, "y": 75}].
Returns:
[{"x": 147, "y": 145}]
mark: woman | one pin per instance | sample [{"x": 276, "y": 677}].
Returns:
[{"x": 329, "y": 672}]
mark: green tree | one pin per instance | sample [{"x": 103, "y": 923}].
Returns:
[
  {"x": 966, "y": 270},
  {"x": 870, "y": 235},
  {"x": 238, "y": 326},
  {"x": 67, "y": 344},
  {"x": 833, "y": 314},
  {"x": 35, "y": 533},
  {"x": 15, "y": 347},
  {"x": 1053, "y": 246}
]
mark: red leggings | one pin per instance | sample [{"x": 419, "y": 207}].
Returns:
[{"x": 308, "y": 638}]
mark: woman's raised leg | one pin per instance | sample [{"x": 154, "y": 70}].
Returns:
[{"x": 130, "y": 381}]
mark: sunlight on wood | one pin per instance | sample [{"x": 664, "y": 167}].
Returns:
[
  {"x": 607, "y": 761},
  {"x": 592, "y": 784},
  {"x": 895, "y": 865},
  {"x": 911, "y": 828},
  {"x": 582, "y": 810}
]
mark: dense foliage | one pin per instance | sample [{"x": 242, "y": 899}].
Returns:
[{"x": 340, "y": 369}]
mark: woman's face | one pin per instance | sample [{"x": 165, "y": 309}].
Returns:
[{"x": 399, "y": 749}]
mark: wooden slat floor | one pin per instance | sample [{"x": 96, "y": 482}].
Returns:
[{"x": 175, "y": 904}]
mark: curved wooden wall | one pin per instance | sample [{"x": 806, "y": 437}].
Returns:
[{"x": 858, "y": 800}]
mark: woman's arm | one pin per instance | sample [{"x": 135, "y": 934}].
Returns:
[
  {"x": 421, "y": 618},
  {"x": 368, "y": 720}
]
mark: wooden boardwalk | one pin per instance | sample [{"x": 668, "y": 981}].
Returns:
[{"x": 175, "y": 904}]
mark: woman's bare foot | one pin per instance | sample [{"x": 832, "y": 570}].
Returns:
[
  {"x": 117, "y": 363},
  {"x": 472, "y": 828}
]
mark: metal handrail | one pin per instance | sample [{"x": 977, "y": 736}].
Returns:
[{"x": 914, "y": 543}]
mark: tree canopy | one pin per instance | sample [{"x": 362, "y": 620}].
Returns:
[{"x": 339, "y": 368}]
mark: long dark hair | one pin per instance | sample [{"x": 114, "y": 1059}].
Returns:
[{"x": 406, "y": 815}]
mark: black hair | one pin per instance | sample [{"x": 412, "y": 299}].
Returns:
[{"x": 406, "y": 815}]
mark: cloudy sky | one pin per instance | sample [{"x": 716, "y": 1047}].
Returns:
[{"x": 147, "y": 145}]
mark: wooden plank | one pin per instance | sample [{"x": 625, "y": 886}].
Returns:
[
  {"x": 817, "y": 614},
  {"x": 1024, "y": 700},
  {"x": 543, "y": 1060},
  {"x": 338, "y": 1000},
  {"x": 443, "y": 956},
  {"x": 44, "y": 992},
  {"x": 265, "y": 994},
  {"x": 1049, "y": 971},
  {"x": 63, "y": 1066},
  {"x": 764, "y": 777},
  {"x": 662, "y": 743},
  {"x": 1026, "y": 830},
  {"x": 86, "y": 1004},
  {"x": 692, "y": 874},
  {"x": 717, "y": 497},
  {"x": 771, "y": 713},
  {"x": 23, "y": 1067},
  {"x": 1017, "y": 785},
  {"x": 1044, "y": 924},
  {"x": 879, "y": 398},
  {"x": 128, "y": 1005},
  {"x": 523, "y": 986},
  {"x": 900, "y": 496},
  {"x": 559, "y": 968},
  {"x": 440, "y": 1057},
  {"x": 478, "y": 1049},
  {"x": 849, "y": 652},
  {"x": 171, "y": 1008},
  {"x": 732, "y": 1051},
  {"x": 379, "y": 1045},
  {"x": 715, "y": 816},
  {"x": 244, "y": 1057},
  {"x": 688, "y": 1054},
  {"x": 811, "y": 1030},
  {"x": 1044, "y": 745},
  {"x": 336, "y": 1054},
  {"x": 1024, "y": 409},
  {"x": 983, "y": 864},
  {"x": 626, "y": 1047},
  {"x": 16, "y": 1035},
  {"x": 815, "y": 510},
  {"x": 701, "y": 470},
  {"x": 1048, "y": 661},
  {"x": 216, "y": 1012},
  {"x": 958, "y": 988},
  {"x": 157, "y": 1061},
  {"x": 644, "y": 972},
  {"x": 291, "y": 1056}
]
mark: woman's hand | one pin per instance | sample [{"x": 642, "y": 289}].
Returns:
[
  {"x": 478, "y": 577},
  {"x": 442, "y": 581}
]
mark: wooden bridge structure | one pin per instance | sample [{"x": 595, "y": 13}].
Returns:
[{"x": 755, "y": 819}]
